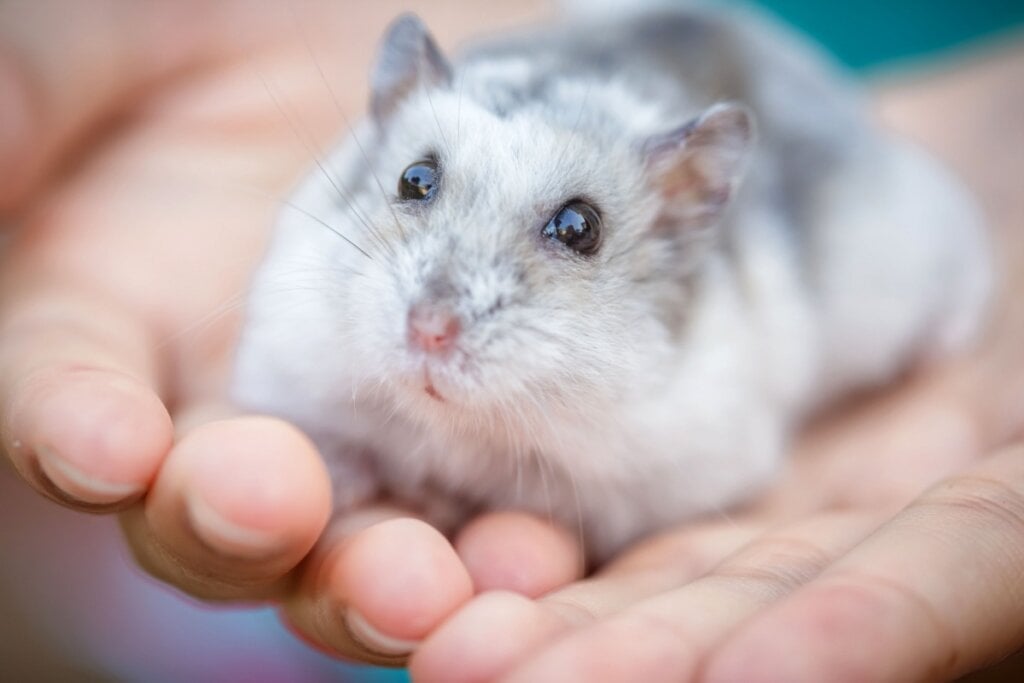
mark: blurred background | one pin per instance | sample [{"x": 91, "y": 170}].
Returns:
[{"x": 73, "y": 607}]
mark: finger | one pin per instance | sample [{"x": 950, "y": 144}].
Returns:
[
  {"x": 376, "y": 586},
  {"x": 519, "y": 553},
  {"x": 933, "y": 594},
  {"x": 64, "y": 66},
  {"x": 81, "y": 418},
  {"x": 236, "y": 506},
  {"x": 666, "y": 636},
  {"x": 497, "y": 630}
]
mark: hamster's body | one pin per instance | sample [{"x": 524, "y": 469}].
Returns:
[{"x": 739, "y": 281}]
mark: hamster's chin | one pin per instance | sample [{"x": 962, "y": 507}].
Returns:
[{"x": 437, "y": 384}]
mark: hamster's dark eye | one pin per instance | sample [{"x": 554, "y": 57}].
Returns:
[
  {"x": 419, "y": 181},
  {"x": 577, "y": 225}
]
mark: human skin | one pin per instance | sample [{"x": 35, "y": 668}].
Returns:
[{"x": 143, "y": 195}]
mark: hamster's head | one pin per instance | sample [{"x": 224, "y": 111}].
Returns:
[{"x": 529, "y": 259}]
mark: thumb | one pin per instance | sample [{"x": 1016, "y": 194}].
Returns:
[{"x": 67, "y": 66}]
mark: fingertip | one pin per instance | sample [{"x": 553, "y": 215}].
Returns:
[
  {"x": 98, "y": 436},
  {"x": 368, "y": 635},
  {"x": 251, "y": 486},
  {"x": 519, "y": 553},
  {"x": 484, "y": 639},
  {"x": 237, "y": 505},
  {"x": 402, "y": 578}
]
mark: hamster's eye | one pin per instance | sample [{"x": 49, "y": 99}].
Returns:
[
  {"x": 577, "y": 225},
  {"x": 419, "y": 181}
]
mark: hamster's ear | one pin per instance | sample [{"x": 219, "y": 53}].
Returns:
[
  {"x": 697, "y": 167},
  {"x": 407, "y": 58}
]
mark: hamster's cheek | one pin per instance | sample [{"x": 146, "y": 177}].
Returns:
[{"x": 373, "y": 339}]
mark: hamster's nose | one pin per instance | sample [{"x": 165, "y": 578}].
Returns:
[{"x": 433, "y": 328}]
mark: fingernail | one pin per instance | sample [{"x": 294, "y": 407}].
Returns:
[
  {"x": 373, "y": 640},
  {"x": 79, "y": 485},
  {"x": 226, "y": 536}
]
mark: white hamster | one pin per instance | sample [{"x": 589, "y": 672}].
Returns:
[{"x": 600, "y": 271}]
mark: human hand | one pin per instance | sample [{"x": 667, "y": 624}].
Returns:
[
  {"x": 147, "y": 145},
  {"x": 846, "y": 571}
]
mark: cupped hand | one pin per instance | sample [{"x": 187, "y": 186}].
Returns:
[
  {"x": 143, "y": 150},
  {"x": 890, "y": 551}
]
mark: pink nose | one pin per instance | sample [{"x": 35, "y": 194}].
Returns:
[{"x": 432, "y": 328}]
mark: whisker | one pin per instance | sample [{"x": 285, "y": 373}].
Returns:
[
  {"x": 348, "y": 123},
  {"x": 350, "y": 202},
  {"x": 576, "y": 125},
  {"x": 556, "y": 433},
  {"x": 458, "y": 114},
  {"x": 204, "y": 322},
  {"x": 580, "y": 532},
  {"x": 544, "y": 468},
  {"x": 437, "y": 122},
  {"x": 295, "y": 207},
  {"x": 288, "y": 204},
  {"x": 239, "y": 298}
]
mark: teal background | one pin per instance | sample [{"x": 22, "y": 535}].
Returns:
[{"x": 870, "y": 33}]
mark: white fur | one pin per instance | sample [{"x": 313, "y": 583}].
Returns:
[{"x": 568, "y": 396}]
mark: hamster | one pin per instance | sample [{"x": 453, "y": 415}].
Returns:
[{"x": 600, "y": 272}]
